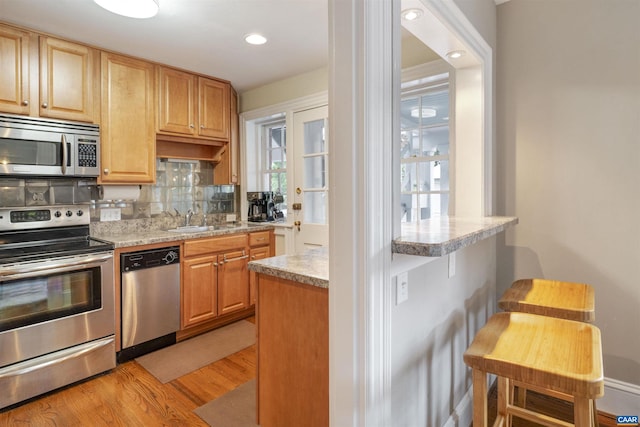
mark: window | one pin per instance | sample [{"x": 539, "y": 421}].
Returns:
[
  {"x": 274, "y": 160},
  {"x": 424, "y": 150}
]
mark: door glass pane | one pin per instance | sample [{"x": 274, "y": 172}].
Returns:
[
  {"x": 435, "y": 141},
  {"x": 315, "y": 172},
  {"x": 314, "y": 137},
  {"x": 315, "y": 207}
]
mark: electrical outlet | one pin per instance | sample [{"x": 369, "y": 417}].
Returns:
[
  {"x": 110, "y": 214},
  {"x": 402, "y": 287},
  {"x": 231, "y": 217}
]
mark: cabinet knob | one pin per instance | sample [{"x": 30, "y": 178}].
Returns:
[
  {"x": 201, "y": 126},
  {"x": 191, "y": 126},
  {"x": 25, "y": 103},
  {"x": 106, "y": 171},
  {"x": 45, "y": 105}
]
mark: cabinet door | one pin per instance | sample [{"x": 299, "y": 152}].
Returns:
[
  {"x": 199, "y": 290},
  {"x": 14, "y": 71},
  {"x": 177, "y": 103},
  {"x": 68, "y": 80},
  {"x": 256, "y": 254},
  {"x": 233, "y": 282},
  {"x": 128, "y": 144},
  {"x": 213, "y": 109}
]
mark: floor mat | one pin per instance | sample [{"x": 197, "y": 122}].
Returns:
[
  {"x": 172, "y": 362},
  {"x": 236, "y": 408}
]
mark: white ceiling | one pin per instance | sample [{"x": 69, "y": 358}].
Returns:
[{"x": 204, "y": 36}]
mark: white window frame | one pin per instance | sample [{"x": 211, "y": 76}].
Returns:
[
  {"x": 250, "y": 121},
  {"x": 417, "y": 81}
]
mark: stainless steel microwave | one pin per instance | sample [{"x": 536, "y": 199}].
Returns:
[{"x": 44, "y": 147}]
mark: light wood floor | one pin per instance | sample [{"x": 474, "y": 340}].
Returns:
[
  {"x": 548, "y": 405},
  {"x": 130, "y": 396}
]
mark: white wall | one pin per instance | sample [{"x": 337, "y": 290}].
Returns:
[
  {"x": 568, "y": 138},
  {"x": 430, "y": 332}
]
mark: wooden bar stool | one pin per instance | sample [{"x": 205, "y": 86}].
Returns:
[
  {"x": 549, "y": 355},
  {"x": 565, "y": 300}
]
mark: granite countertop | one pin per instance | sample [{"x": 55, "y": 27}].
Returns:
[
  {"x": 429, "y": 238},
  {"x": 440, "y": 236},
  {"x": 145, "y": 237},
  {"x": 311, "y": 267}
]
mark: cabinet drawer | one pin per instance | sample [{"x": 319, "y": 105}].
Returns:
[
  {"x": 214, "y": 244},
  {"x": 259, "y": 238}
]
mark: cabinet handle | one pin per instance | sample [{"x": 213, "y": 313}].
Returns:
[
  {"x": 45, "y": 105},
  {"x": 25, "y": 103},
  {"x": 106, "y": 171},
  {"x": 244, "y": 256}
]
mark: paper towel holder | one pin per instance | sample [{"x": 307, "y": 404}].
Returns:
[{"x": 100, "y": 192}]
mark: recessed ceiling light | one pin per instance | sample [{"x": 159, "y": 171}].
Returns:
[
  {"x": 131, "y": 8},
  {"x": 411, "y": 14},
  {"x": 455, "y": 54},
  {"x": 425, "y": 112},
  {"x": 255, "y": 38}
]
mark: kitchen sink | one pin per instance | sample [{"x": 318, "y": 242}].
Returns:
[{"x": 189, "y": 229}]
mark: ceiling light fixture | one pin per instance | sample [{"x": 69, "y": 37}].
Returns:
[
  {"x": 255, "y": 39},
  {"x": 131, "y": 8},
  {"x": 411, "y": 14},
  {"x": 425, "y": 112},
  {"x": 455, "y": 54}
]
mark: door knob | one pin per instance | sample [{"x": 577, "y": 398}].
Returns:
[
  {"x": 298, "y": 190},
  {"x": 297, "y": 224}
]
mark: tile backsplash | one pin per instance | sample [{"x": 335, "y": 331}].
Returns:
[{"x": 180, "y": 186}]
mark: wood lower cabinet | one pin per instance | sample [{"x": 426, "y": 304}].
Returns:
[
  {"x": 215, "y": 278},
  {"x": 199, "y": 290},
  {"x": 128, "y": 140},
  {"x": 262, "y": 245},
  {"x": 233, "y": 281},
  {"x": 293, "y": 353}
]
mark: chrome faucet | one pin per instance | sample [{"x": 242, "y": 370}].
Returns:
[{"x": 187, "y": 217}]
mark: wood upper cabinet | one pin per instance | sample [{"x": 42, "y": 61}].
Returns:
[
  {"x": 226, "y": 166},
  {"x": 69, "y": 81},
  {"x": 128, "y": 144},
  {"x": 189, "y": 105},
  {"x": 48, "y": 77},
  {"x": 177, "y": 101},
  {"x": 14, "y": 70},
  {"x": 214, "y": 109}
]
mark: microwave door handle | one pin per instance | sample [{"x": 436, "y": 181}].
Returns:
[{"x": 65, "y": 154}]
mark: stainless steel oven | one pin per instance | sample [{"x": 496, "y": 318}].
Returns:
[{"x": 56, "y": 301}]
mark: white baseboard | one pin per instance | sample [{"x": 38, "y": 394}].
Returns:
[
  {"x": 462, "y": 416},
  {"x": 619, "y": 398}
]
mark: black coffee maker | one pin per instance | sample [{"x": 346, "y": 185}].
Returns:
[{"x": 261, "y": 206}]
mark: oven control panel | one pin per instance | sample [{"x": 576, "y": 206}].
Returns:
[{"x": 43, "y": 216}]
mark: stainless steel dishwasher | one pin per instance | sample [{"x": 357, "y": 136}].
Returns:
[{"x": 150, "y": 300}]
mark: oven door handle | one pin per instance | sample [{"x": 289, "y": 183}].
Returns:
[
  {"x": 62, "y": 264},
  {"x": 54, "y": 359}
]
